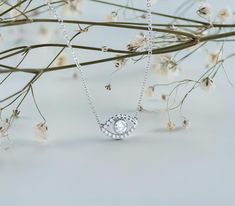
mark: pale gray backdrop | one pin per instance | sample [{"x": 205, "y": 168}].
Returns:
[{"x": 80, "y": 166}]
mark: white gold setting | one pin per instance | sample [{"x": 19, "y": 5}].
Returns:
[{"x": 119, "y": 126}]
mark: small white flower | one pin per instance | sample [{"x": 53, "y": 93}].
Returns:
[
  {"x": 171, "y": 126},
  {"x": 207, "y": 84},
  {"x": 149, "y": 92},
  {"x": 112, "y": 17},
  {"x": 225, "y": 14},
  {"x": 41, "y": 132},
  {"x": 139, "y": 43},
  {"x": 186, "y": 124},
  {"x": 205, "y": 11},
  {"x": 165, "y": 65}
]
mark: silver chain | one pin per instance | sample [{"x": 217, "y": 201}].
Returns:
[
  {"x": 79, "y": 67},
  {"x": 149, "y": 55}
]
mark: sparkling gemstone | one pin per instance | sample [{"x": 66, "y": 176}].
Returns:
[{"x": 120, "y": 126}]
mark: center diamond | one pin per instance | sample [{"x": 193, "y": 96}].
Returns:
[{"x": 120, "y": 126}]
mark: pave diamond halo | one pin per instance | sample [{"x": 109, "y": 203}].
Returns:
[{"x": 119, "y": 126}]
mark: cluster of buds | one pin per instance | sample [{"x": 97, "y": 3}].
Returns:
[{"x": 171, "y": 125}]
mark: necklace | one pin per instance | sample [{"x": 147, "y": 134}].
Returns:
[{"x": 122, "y": 125}]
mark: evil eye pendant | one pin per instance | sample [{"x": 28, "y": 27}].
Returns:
[{"x": 119, "y": 126}]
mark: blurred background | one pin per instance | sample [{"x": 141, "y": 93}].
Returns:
[{"x": 78, "y": 165}]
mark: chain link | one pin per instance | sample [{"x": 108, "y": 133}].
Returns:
[
  {"x": 75, "y": 58},
  {"x": 79, "y": 67},
  {"x": 149, "y": 54}
]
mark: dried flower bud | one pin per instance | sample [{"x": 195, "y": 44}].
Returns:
[
  {"x": 108, "y": 87},
  {"x": 207, "y": 84},
  {"x": 138, "y": 43},
  {"x": 164, "y": 97},
  {"x": 16, "y": 113},
  {"x": 112, "y": 17},
  {"x": 171, "y": 126},
  {"x": 224, "y": 15},
  {"x": 186, "y": 124},
  {"x": 4, "y": 126},
  {"x": 140, "y": 109},
  {"x": 214, "y": 58},
  {"x": 149, "y": 92},
  {"x": 61, "y": 60},
  {"x": 104, "y": 48},
  {"x": 204, "y": 11},
  {"x": 143, "y": 16},
  {"x": 5, "y": 142},
  {"x": 120, "y": 63},
  {"x": 42, "y": 132}
]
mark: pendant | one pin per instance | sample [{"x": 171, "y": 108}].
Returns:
[{"x": 119, "y": 126}]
